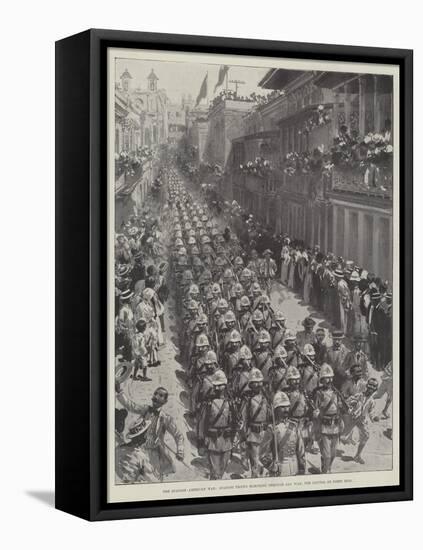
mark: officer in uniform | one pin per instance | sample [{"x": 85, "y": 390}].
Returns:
[
  {"x": 265, "y": 307},
  {"x": 216, "y": 428},
  {"x": 256, "y": 415},
  {"x": 327, "y": 413},
  {"x": 282, "y": 450}
]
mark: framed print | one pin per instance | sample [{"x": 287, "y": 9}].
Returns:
[{"x": 234, "y": 274}]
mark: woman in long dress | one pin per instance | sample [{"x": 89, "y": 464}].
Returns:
[{"x": 285, "y": 261}]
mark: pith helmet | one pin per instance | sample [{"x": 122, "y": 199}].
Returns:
[
  {"x": 246, "y": 273},
  {"x": 293, "y": 373},
  {"x": 281, "y": 400},
  {"x": 326, "y": 371},
  {"x": 210, "y": 357},
  {"x": 238, "y": 261},
  {"x": 256, "y": 287},
  {"x": 255, "y": 376},
  {"x": 245, "y": 301},
  {"x": 192, "y": 305},
  {"x": 280, "y": 351},
  {"x": 264, "y": 337},
  {"x": 193, "y": 289},
  {"x": 215, "y": 289},
  {"x": 219, "y": 378},
  {"x": 222, "y": 304},
  {"x": 235, "y": 337},
  {"x": 258, "y": 315},
  {"x": 202, "y": 341},
  {"x": 309, "y": 350},
  {"x": 245, "y": 353},
  {"x": 230, "y": 316},
  {"x": 279, "y": 316},
  {"x": 290, "y": 336}
]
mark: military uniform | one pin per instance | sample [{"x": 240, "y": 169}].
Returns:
[
  {"x": 289, "y": 457},
  {"x": 328, "y": 426},
  {"x": 216, "y": 433},
  {"x": 256, "y": 416}
]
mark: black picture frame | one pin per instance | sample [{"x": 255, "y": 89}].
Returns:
[{"x": 81, "y": 285}]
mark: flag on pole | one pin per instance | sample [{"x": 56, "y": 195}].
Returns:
[
  {"x": 202, "y": 94},
  {"x": 223, "y": 71}
]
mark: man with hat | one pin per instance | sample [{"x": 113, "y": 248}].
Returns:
[
  {"x": 363, "y": 413},
  {"x": 216, "y": 427},
  {"x": 125, "y": 319},
  {"x": 357, "y": 357},
  {"x": 262, "y": 354},
  {"x": 327, "y": 413},
  {"x": 282, "y": 449},
  {"x": 307, "y": 335},
  {"x": 267, "y": 269},
  {"x": 336, "y": 357},
  {"x": 244, "y": 315},
  {"x": 320, "y": 346},
  {"x": 256, "y": 415},
  {"x": 151, "y": 428}
]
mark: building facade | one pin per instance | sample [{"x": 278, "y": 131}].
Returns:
[{"x": 347, "y": 210}]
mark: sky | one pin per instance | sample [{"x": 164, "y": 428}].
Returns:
[{"x": 178, "y": 78}]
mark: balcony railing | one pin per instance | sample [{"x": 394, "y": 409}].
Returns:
[{"x": 370, "y": 180}]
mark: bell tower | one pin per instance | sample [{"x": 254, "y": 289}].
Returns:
[
  {"x": 152, "y": 81},
  {"x": 125, "y": 79}
]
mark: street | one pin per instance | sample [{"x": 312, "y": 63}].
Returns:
[{"x": 170, "y": 374}]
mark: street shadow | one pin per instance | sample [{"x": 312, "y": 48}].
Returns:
[
  {"x": 313, "y": 470},
  {"x": 45, "y": 497},
  {"x": 347, "y": 458}
]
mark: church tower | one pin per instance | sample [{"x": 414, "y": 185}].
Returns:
[
  {"x": 152, "y": 81},
  {"x": 125, "y": 79}
]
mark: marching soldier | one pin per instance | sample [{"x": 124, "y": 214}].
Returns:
[
  {"x": 265, "y": 307},
  {"x": 277, "y": 372},
  {"x": 309, "y": 371},
  {"x": 278, "y": 329},
  {"x": 256, "y": 416},
  {"x": 231, "y": 356},
  {"x": 244, "y": 316},
  {"x": 262, "y": 355},
  {"x": 283, "y": 447},
  {"x": 299, "y": 403},
  {"x": 241, "y": 374},
  {"x": 253, "y": 329},
  {"x": 216, "y": 428},
  {"x": 327, "y": 413},
  {"x": 267, "y": 269},
  {"x": 290, "y": 344}
]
